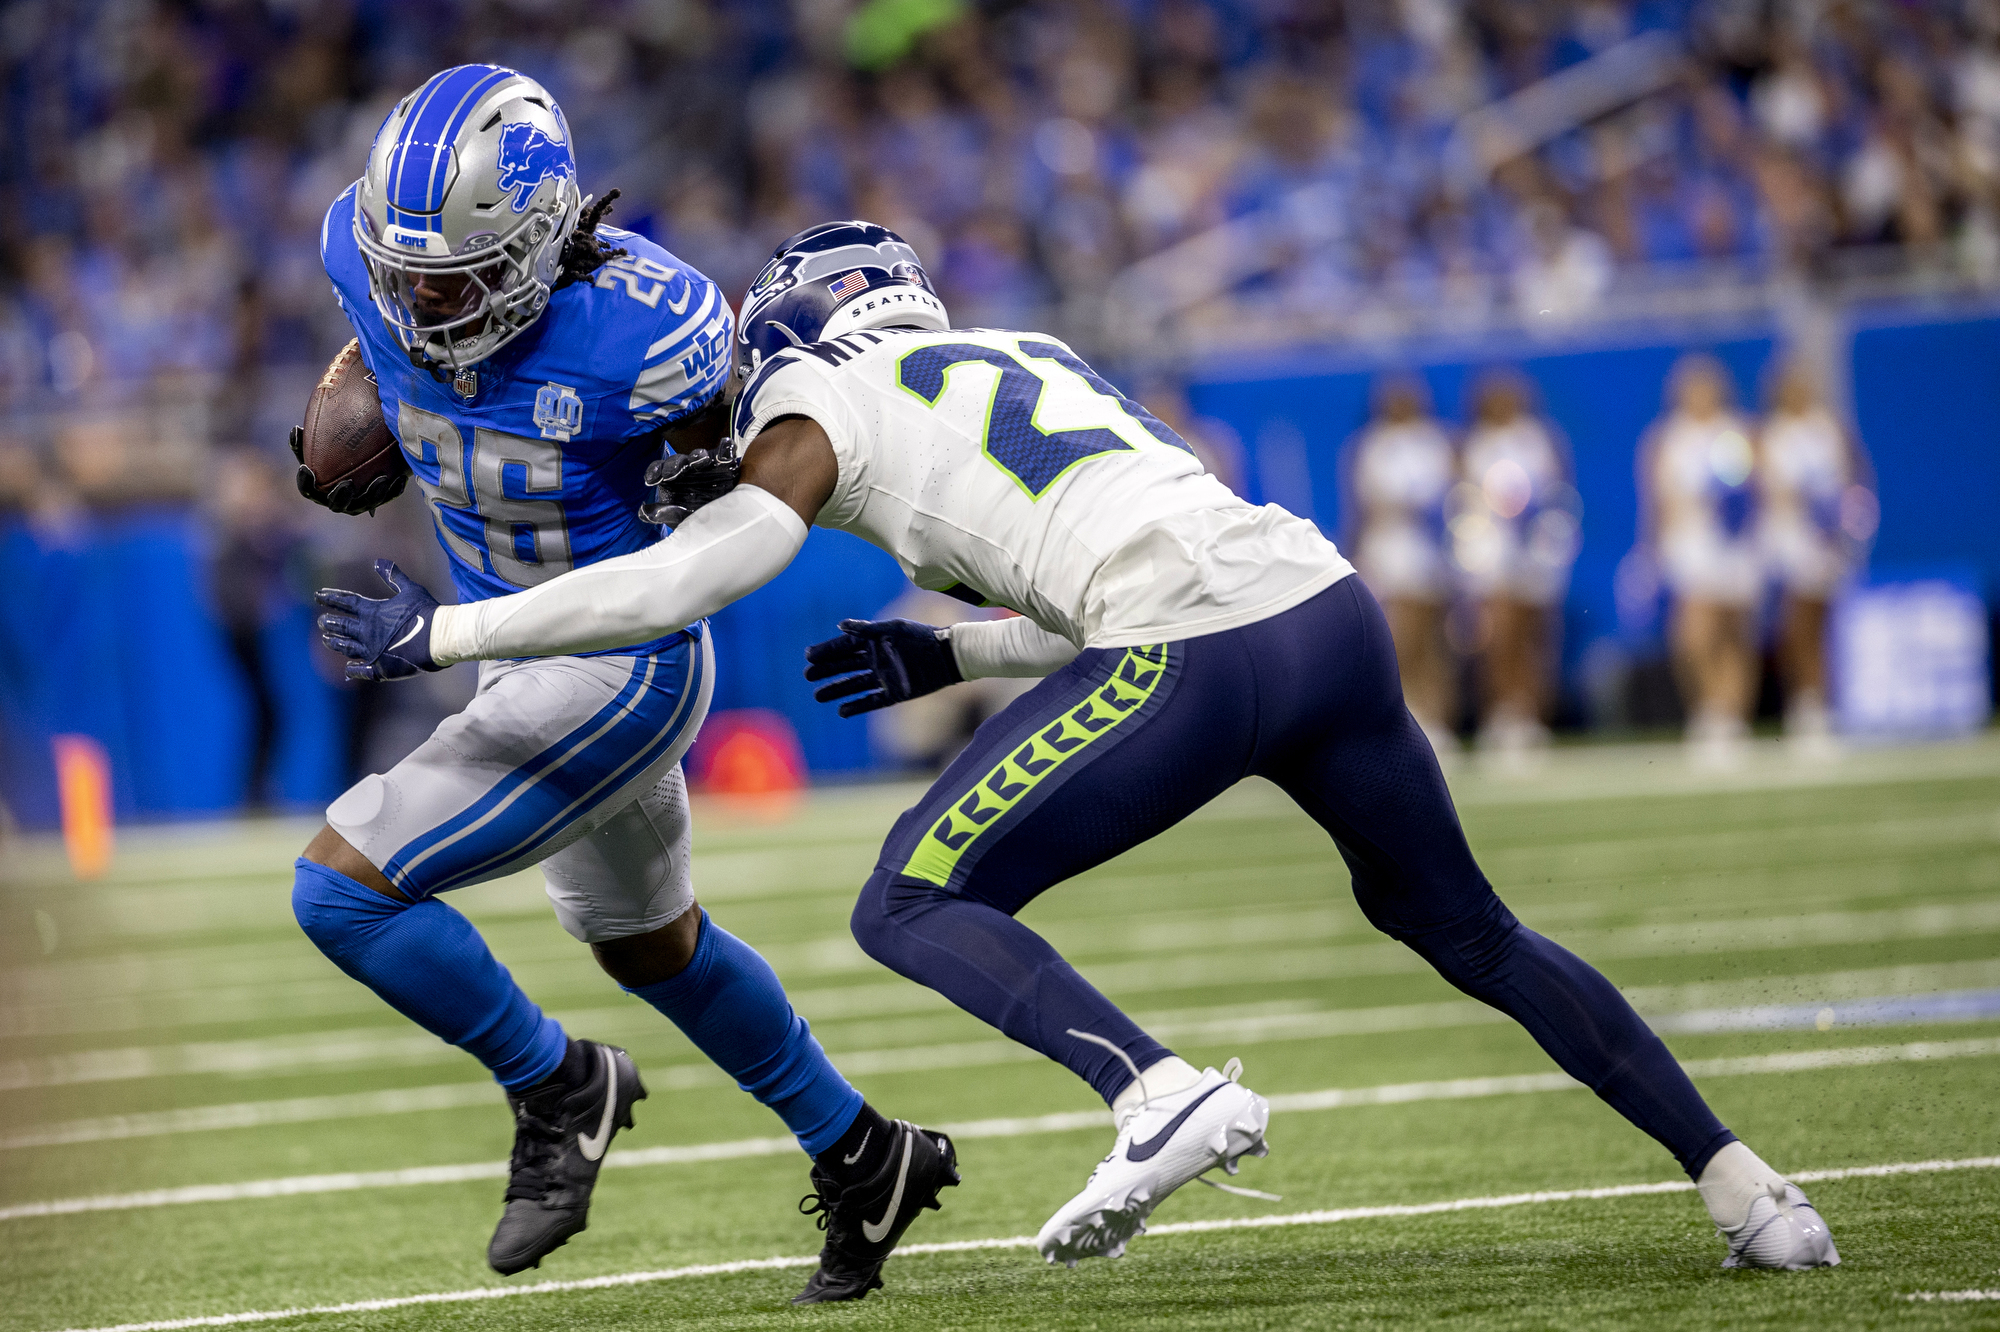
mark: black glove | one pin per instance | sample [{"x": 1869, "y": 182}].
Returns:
[
  {"x": 686, "y": 481},
  {"x": 388, "y": 638},
  {"x": 895, "y": 660},
  {"x": 343, "y": 496}
]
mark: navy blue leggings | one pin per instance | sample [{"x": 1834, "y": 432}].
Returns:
[{"x": 1123, "y": 743}]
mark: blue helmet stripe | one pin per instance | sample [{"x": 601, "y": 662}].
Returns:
[
  {"x": 494, "y": 74},
  {"x": 436, "y": 116},
  {"x": 418, "y": 104}
]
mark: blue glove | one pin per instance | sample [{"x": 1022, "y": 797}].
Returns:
[
  {"x": 894, "y": 660},
  {"x": 388, "y": 639}
]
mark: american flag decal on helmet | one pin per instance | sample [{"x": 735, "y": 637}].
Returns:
[{"x": 842, "y": 288}]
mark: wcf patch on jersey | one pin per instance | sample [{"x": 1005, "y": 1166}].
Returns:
[
  {"x": 707, "y": 354},
  {"x": 558, "y": 411}
]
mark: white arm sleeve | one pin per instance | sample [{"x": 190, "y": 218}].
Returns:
[
  {"x": 1016, "y": 646},
  {"x": 727, "y": 549}
]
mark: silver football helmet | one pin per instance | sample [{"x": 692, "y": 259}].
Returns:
[{"x": 469, "y": 196}]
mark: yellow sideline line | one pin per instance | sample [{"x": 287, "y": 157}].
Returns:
[
  {"x": 1315, "y": 1218},
  {"x": 1335, "y": 1098}
]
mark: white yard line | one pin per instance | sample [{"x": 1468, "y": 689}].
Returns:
[
  {"x": 165, "y": 855},
  {"x": 256, "y": 1114},
  {"x": 1336, "y": 1098},
  {"x": 1952, "y": 1296},
  {"x": 971, "y": 1054},
  {"x": 928, "y": 1058},
  {"x": 155, "y": 988},
  {"x": 1316, "y": 1218},
  {"x": 1701, "y": 1006}
]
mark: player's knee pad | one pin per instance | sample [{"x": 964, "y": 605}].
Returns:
[
  {"x": 593, "y": 915},
  {"x": 882, "y": 911},
  {"x": 631, "y": 875},
  {"x": 870, "y": 923},
  {"x": 335, "y": 912}
]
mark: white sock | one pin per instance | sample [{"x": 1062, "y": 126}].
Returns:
[
  {"x": 1731, "y": 1181},
  {"x": 1170, "y": 1075}
]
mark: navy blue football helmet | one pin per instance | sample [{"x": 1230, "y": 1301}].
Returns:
[{"x": 835, "y": 278}]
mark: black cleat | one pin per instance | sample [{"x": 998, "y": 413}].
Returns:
[
  {"x": 864, "y": 1220},
  {"x": 561, "y": 1133}
]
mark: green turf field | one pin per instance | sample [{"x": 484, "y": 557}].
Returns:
[{"x": 168, "y": 1028}]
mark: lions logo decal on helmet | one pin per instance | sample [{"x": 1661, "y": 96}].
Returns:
[{"x": 528, "y": 157}]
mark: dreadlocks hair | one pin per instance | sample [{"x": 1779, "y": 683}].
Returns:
[{"x": 585, "y": 251}]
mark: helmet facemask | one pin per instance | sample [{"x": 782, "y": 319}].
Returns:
[{"x": 457, "y": 311}]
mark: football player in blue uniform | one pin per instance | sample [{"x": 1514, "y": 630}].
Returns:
[{"x": 531, "y": 363}]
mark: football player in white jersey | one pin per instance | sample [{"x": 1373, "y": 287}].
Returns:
[{"x": 1187, "y": 639}]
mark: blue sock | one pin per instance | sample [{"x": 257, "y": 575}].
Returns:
[
  {"x": 728, "y": 1001},
  {"x": 430, "y": 965}
]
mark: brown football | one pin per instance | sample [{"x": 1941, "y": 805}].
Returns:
[{"x": 345, "y": 438}]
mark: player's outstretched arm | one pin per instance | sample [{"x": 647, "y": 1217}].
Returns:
[
  {"x": 727, "y": 549},
  {"x": 1016, "y": 648}
]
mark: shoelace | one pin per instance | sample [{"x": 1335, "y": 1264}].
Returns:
[
  {"x": 536, "y": 1141},
  {"x": 819, "y": 1204},
  {"x": 1233, "y": 1070}
]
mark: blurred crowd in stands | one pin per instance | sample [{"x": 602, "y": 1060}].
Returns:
[{"x": 163, "y": 313}]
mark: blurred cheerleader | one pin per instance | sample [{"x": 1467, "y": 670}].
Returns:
[
  {"x": 1697, "y": 487},
  {"x": 1403, "y": 466},
  {"x": 1816, "y": 514},
  {"x": 1515, "y": 534}
]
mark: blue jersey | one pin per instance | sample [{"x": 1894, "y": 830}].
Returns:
[{"x": 541, "y": 468}]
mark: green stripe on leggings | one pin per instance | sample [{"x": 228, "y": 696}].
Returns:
[{"x": 1101, "y": 713}]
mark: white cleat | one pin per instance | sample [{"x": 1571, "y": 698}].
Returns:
[
  {"x": 1782, "y": 1230},
  {"x": 1170, "y": 1141}
]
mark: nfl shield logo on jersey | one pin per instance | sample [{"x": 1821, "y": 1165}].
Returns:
[{"x": 558, "y": 411}]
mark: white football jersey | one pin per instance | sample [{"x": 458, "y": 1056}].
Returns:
[{"x": 1001, "y": 469}]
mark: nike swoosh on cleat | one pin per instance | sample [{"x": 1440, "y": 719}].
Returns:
[
  {"x": 415, "y": 629},
  {"x": 1147, "y": 1150},
  {"x": 593, "y": 1147},
  {"x": 850, "y": 1160},
  {"x": 875, "y": 1230}
]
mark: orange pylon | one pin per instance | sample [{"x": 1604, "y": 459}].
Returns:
[{"x": 83, "y": 782}]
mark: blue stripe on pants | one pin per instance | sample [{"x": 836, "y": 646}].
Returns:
[{"x": 564, "y": 782}]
